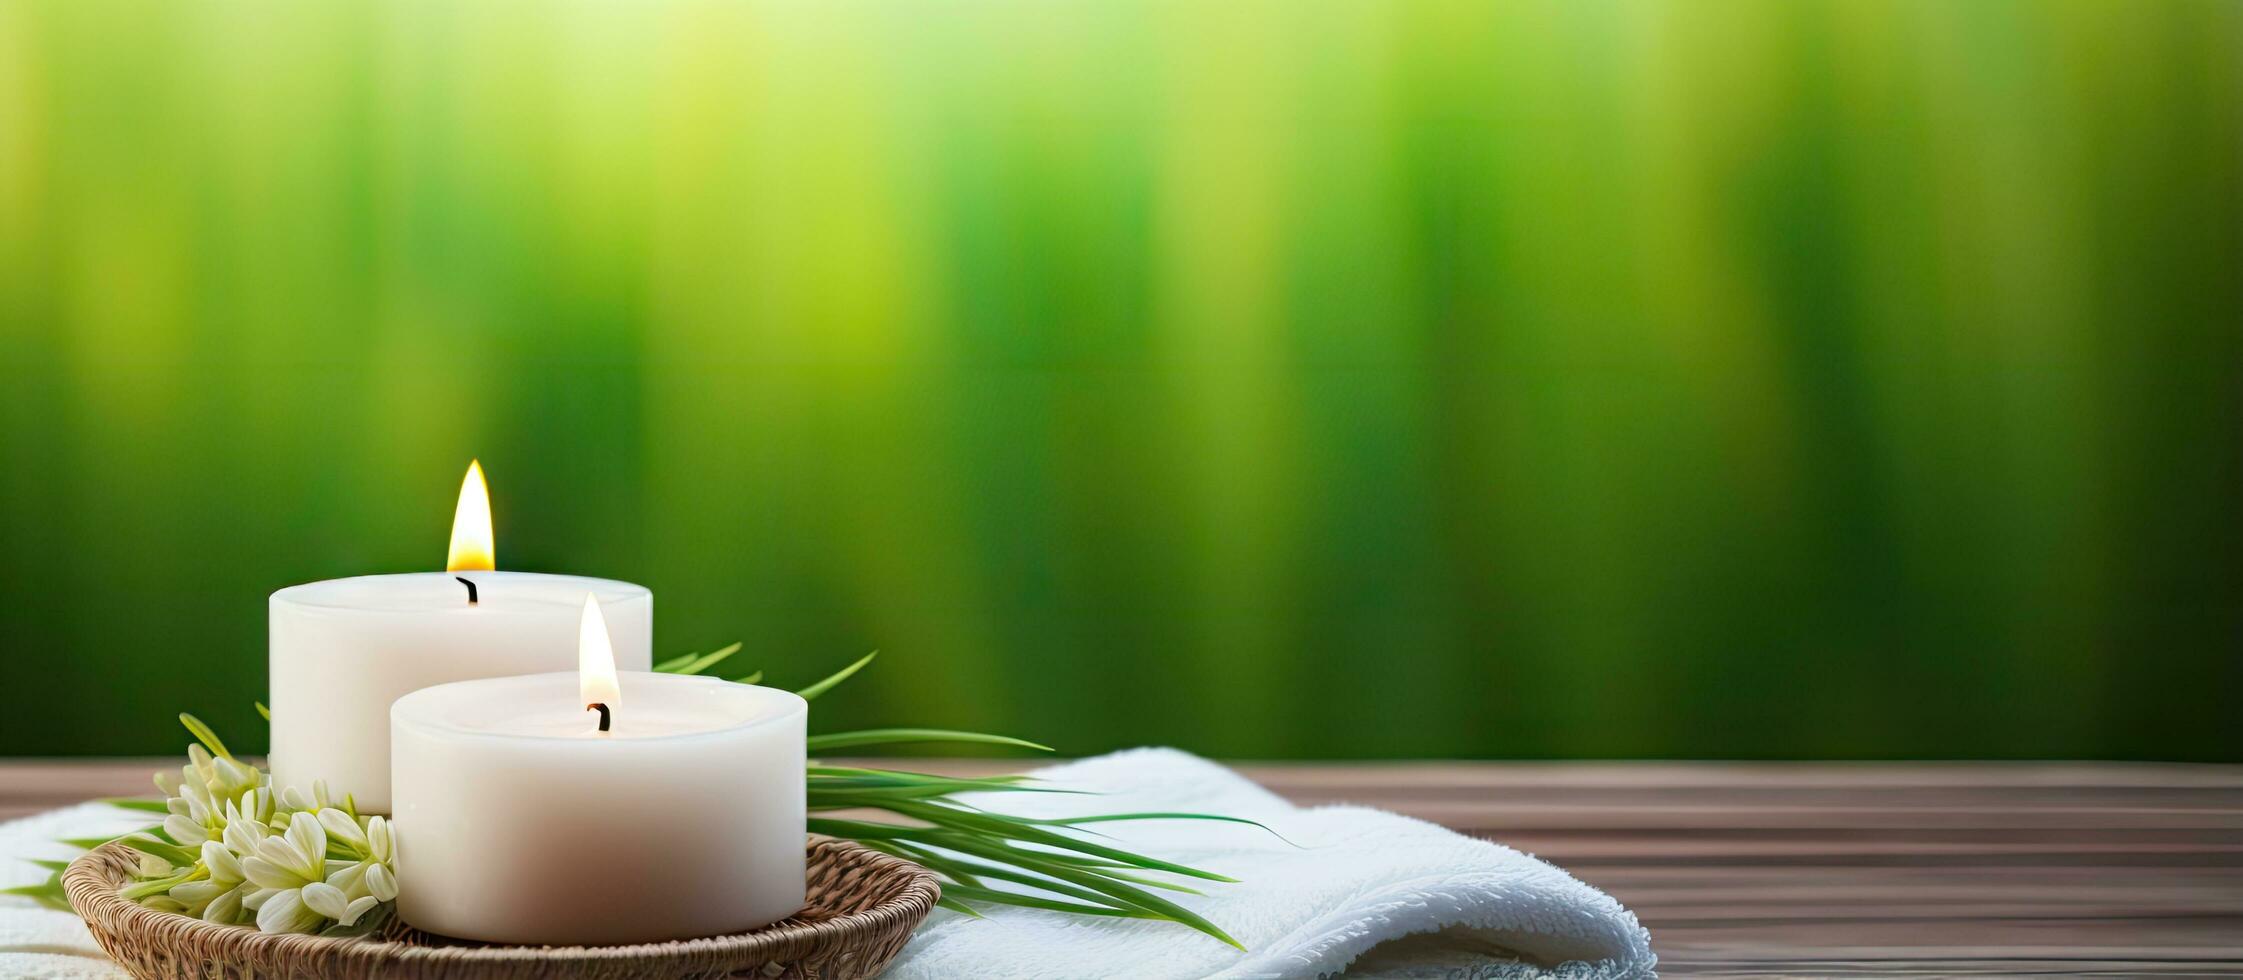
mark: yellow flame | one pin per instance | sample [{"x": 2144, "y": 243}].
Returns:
[
  {"x": 473, "y": 549},
  {"x": 595, "y": 658}
]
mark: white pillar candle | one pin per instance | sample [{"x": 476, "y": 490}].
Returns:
[
  {"x": 519, "y": 821},
  {"x": 342, "y": 650}
]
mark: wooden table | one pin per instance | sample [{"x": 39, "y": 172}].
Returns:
[{"x": 1821, "y": 870}]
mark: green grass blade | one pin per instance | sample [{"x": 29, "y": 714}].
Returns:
[
  {"x": 847, "y": 786},
  {"x": 1029, "y": 901},
  {"x": 860, "y": 830},
  {"x": 1122, "y": 892},
  {"x": 755, "y": 678},
  {"x": 265, "y": 712},
  {"x": 1015, "y": 875},
  {"x": 157, "y": 886},
  {"x": 170, "y": 852},
  {"x": 698, "y": 664},
  {"x": 932, "y": 862},
  {"x": 915, "y": 778},
  {"x": 671, "y": 665},
  {"x": 1108, "y": 817},
  {"x": 48, "y": 893},
  {"x": 957, "y": 906},
  {"x": 203, "y": 734},
  {"x": 811, "y": 693},
  {"x": 137, "y": 803},
  {"x": 1014, "y": 828},
  {"x": 982, "y": 835},
  {"x": 1148, "y": 882},
  {"x": 892, "y": 736}
]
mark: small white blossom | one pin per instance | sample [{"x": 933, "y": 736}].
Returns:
[
  {"x": 341, "y": 827},
  {"x": 289, "y": 861}
]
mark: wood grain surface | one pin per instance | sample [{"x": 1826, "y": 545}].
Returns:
[{"x": 1966, "y": 869}]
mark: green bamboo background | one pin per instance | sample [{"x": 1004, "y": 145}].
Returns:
[{"x": 1291, "y": 379}]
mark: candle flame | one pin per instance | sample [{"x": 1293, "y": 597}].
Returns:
[
  {"x": 473, "y": 549},
  {"x": 595, "y": 658}
]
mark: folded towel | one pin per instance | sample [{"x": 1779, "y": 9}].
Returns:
[
  {"x": 1393, "y": 896},
  {"x": 36, "y": 941},
  {"x": 1361, "y": 890}
]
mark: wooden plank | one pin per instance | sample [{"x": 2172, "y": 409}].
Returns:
[{"x": 1769, "y": 869}]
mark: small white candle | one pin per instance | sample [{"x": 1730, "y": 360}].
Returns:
[
  {"x": 519, "y": 821},
  {"x": 343, "y": 649}
]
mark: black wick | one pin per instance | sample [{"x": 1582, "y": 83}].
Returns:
[
  {"x": 470, "y": 583},
  {"x": 602, "y": 709}
]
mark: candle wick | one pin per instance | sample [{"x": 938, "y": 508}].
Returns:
[
  {"x": 470, "y": 583},
  {"x": 602, "y": 709}
]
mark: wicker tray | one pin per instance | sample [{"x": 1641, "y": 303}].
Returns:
[{"x": 862, "y": 906}]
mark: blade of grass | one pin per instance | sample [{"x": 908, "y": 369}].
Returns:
[
  {"x": 157, "y": 886},
  {"x": 1029, "y": 901},
  {"x": 701, "y": 663},
  {"x": 1013, "y": 828},
  {"x": 137, "y": 803},
  {"x": 981, "y": 845},
  {"x": 148, "y": 845},
  {"x": 811, "y": 693},
  {"x": 1121, "y": 891},
  {"x": 89, "y": 843},
  {"x": 1019, "y": 877},
  {"x": 203, "y": 734},
  {"x": 48, "y": 893},
  {"x": 817, "y": 770},
  {"x": 893, "y": 736},
  {"x": 1107, "y": 817},
  {"x": 949, "y": 869}
]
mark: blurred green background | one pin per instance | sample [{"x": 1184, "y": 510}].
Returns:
[{"x": 1721, "y": 379}]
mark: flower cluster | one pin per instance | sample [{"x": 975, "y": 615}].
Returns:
[{"x": 231, "y": 850}]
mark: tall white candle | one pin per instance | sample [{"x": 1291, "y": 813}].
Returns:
[
  {"x": 342, "y": 650},
  {"x": 519, "y": 821}
]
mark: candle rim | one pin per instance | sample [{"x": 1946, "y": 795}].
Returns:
[
  {"x": 791, "y": 706},
  {"x": 612, "y": 592}
]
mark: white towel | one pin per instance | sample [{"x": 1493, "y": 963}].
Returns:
[
  {"x": 1365, "y": 891},
  {"x": 36, "y": 941},
  {"x": 1393, "y": 896}
]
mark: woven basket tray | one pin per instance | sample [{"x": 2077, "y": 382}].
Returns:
[{"x": 862, "y": 906}]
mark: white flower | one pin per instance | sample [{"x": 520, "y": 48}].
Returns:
[
  {"x": 216, "y": 898},
  {"x": 381, "y": 882},
  {"x": 285, "y": 911},
  {"x": 187, "y": 831},
  {"x": 242, "y": 835},
  {"x": 291, "y": 860},
  {"x": 222, "y": 863},
  {"x": 296, "y": 799},
  {"x": 378, "y": 836},
  {"x": 253, "y": 804},
  {"x": 335, "y": 904},
  {"x": 261, "y": 855},
  {"x": 232, "y": 778},
  {"x": 280, "y": 869},
  {"x": 341, "y": 827}
]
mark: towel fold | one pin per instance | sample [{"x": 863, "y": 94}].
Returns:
[
  {"x": 1356, "y": 889},
  {"x": 1393, "y": 896},
  {"x": 36, "y": 941}
]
